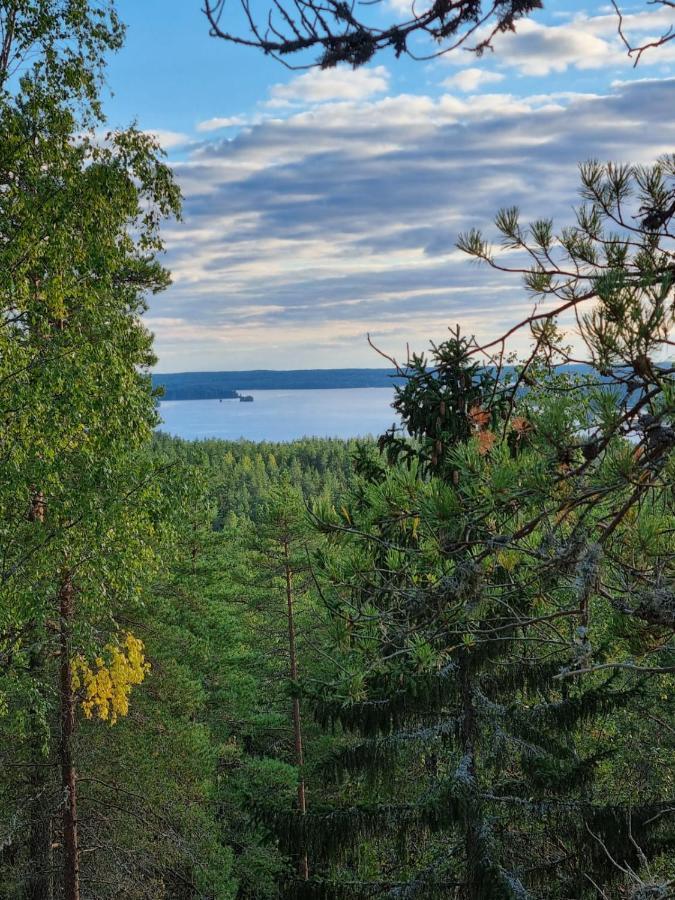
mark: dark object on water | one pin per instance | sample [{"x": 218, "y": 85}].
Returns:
[{"x": 245, "y": 398}]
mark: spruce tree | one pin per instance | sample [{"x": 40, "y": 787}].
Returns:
[{"x": 471, "y": 772}]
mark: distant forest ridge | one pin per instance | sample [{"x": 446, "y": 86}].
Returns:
[
  {"x": 216, "y": 385},
  {"x": 226, "y": 385}
]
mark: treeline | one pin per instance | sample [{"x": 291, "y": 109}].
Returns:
[
  {"x": 437, "y": 666},
  {"x": 210, "y": 385},
  {"x": 241, "y": 474}
]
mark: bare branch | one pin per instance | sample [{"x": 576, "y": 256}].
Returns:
[
  {"x": 323, "y": 33},
  {"x": 635, "y": 50}
]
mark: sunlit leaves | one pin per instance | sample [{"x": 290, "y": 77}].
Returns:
[{"x": 106, "y": 686}]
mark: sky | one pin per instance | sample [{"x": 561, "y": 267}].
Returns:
[{"x": 323, "y": 206}]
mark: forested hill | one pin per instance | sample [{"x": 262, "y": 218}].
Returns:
[
  {"x": 210, "y": 385},
  {"x": 225, "y": 385}
]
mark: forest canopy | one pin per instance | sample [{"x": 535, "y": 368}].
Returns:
[{"x": 434, "y": 664}]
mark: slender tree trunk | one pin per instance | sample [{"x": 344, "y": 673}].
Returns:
[
  {"x": 71, "y": 859},
  {"x": 6, "y": 49},
  {"x": 473, "y": 822},
  {"x": 38, "y": 883},
  {"x": 303, "y": 865}
]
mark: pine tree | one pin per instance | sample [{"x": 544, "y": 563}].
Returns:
[
  {"x": 281, "y": 562},
  {"x": 473, "y": 774}
]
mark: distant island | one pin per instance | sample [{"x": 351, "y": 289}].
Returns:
[{"x": 226, "y": 385}]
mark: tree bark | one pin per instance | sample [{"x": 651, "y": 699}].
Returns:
[
  {"x": 303, "y": 865},
  {"x": 473, "y": 890},
  {"x": 38, "y": 883},
  {"x": 6, "y": 50},
  {"x": 71, "y": 857}
]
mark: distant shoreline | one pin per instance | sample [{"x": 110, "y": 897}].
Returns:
[
  {"x": 225, "y": 385},
  {"x": 228, "y": 385}
]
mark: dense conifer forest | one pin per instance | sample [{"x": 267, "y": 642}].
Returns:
[{"x": 437, "y": 664}]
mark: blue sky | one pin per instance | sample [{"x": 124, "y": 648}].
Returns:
[{"x": 320, "y": 206}]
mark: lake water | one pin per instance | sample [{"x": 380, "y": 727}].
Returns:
[{"x": 282, "y": 415}]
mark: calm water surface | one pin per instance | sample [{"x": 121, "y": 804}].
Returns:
[{"x": 283, "y": 415}]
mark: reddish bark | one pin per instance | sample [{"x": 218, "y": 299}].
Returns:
[
  {"x": 71, "y": 856},
  {"x": 303, "y": 865}
]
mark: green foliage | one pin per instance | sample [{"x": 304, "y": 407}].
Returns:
[
  {"x": 82, "y": 504},
  {"x": 469, "y": 625},
  {"x": 241, "y": 474},
  {"x": 53, "y": 53},
  {"x": 481, "y": 672}
]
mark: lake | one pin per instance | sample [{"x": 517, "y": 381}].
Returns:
[{"x": 282, "y": 415}]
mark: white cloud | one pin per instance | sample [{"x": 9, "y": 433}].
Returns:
[
  {"x": 217, "y": 123},
  {"x": 322, "y": 85},
  {"x": 306, "y": 232},
  {"x": 584, "y": 43},
  {"x": 536, "y": 49},
  {"x": 471, "y": 79},
  {"x": 169, "y": 140}
]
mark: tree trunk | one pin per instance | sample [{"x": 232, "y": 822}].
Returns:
[
  {"x": 303, "y": 865},
  {"x": 472, "y": 825},
  {"x": 6, "y": 49},
  {"x": 71, "y": 860},
  {"x": 38, "y": 883}
]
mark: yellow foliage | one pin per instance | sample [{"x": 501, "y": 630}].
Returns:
[{"x": 106, "y": 688}]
